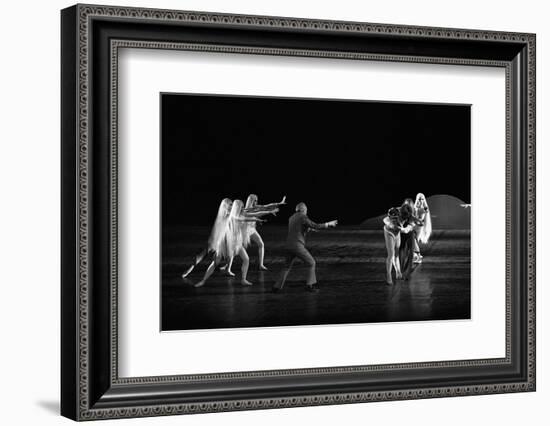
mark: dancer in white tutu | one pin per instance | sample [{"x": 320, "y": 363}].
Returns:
[
  {"x": 253, "y": 208},
  {"x": 424, "y": 230},
  {"x": 235, "y": 240},
  {"x": 217, "y": 235}
]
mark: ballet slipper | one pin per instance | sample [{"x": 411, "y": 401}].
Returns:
[
  {"x": 200, "y": 284},
  {"x": 245, "y": 282},
  {"x": 262, "y": 268}
]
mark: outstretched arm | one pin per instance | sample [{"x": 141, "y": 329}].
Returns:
[
  {"x": 312, "y": 225},
  {"x": 260, "y": 213},
  {"x": 272, "y": 205},
  {"x": 249, "y": 219}
]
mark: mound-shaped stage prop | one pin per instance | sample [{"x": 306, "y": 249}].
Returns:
[{"x": 447, "y": 212}]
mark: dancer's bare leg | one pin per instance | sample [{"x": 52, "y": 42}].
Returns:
[
  {"x": 184, "y": 275},
  {"x": 417, "y": 257},
  {"x": 198, "y": 259},
  {"x": 390, "y": 247},
  {"x": 257, "y": 239},
  {"x": 227, "y": 268},
  {"x": 397, "y": 265},
  {"x": 209, "y": 271},
  {"x": 244, "y": 268}
]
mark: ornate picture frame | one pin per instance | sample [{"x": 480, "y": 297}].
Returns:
[{"x": 91, "y": 38}]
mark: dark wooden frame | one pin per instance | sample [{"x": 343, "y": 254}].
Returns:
[{"x": 91, "y": 37}]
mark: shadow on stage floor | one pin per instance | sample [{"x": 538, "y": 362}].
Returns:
[{"x": 350, "y": 269}]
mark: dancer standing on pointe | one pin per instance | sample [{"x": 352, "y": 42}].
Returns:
[
  {"x": 253, "y": 208},
  {"x": 217, "y": 235},
  {"x": 298, "y": 226},
  {"x": 235, "y": 240}
]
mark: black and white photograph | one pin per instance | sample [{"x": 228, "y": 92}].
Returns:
[
  {"x": 299, "y": 212},
  {"x": 255, "y": 213}
]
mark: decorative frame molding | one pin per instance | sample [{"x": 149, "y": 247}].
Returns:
[{"x": 91, "y": 388}]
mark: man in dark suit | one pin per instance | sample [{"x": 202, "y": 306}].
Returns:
[{"x": 298, "y": 226}]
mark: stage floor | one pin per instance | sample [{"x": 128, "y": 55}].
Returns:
[{"x": 350, "y": 270}]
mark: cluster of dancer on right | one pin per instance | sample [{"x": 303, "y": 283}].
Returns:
[{"x": 405, "y": 228}]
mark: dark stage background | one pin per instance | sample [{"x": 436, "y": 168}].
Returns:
[{"x": 348, "y": 160}]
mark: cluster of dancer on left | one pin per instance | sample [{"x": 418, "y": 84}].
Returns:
[{"x": 233, "y": 230}]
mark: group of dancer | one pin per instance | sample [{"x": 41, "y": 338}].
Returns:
[
  {"x": 405, "y": 228},
  {"x": 235, "y": 227}
]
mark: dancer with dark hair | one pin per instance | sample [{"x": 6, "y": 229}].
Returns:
[{"x": 298, "y": 226}]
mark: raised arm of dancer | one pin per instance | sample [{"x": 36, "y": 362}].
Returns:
[
  {"x": 256, "y": 209},
  {"x": 249, "y": 219},
  {"x": 260, "y": 213},
  {"x": 272, "y": 205},
  {"x": 260, "y": 207},
  {"x": 312, "y": 225}
]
